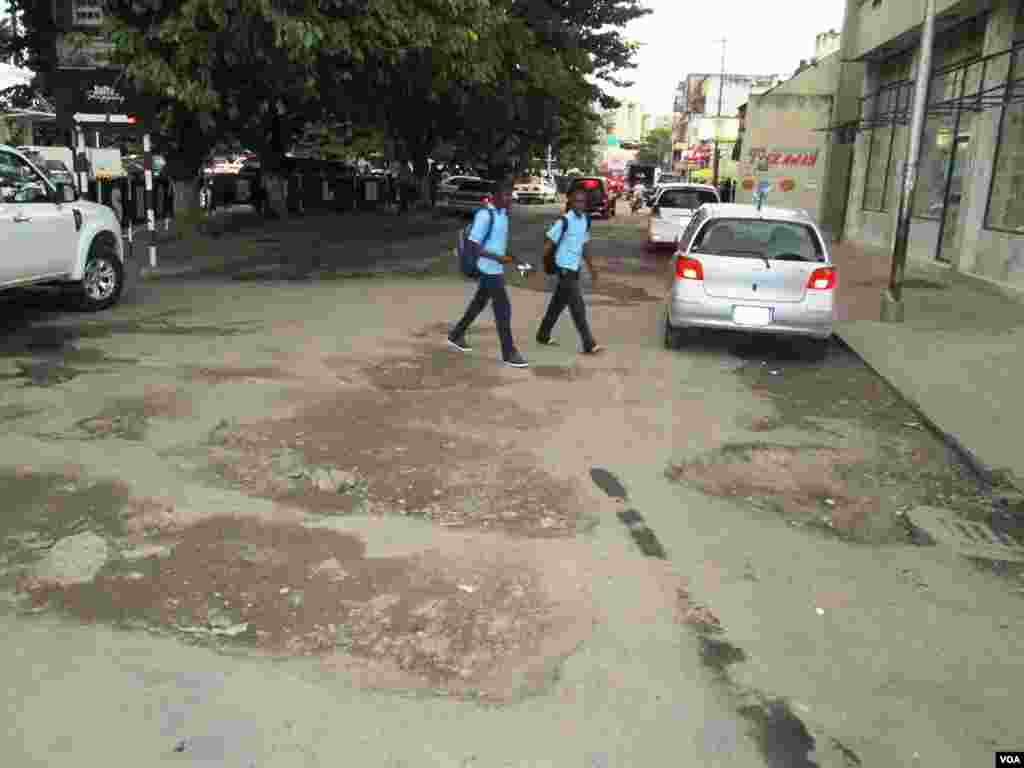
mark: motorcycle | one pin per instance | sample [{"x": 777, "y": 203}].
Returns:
[{"x": 638, "y": 200}]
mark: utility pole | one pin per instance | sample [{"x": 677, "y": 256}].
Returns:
[
  {"x": 892, "y": 299},
  {"x": 718, "y": 120}
]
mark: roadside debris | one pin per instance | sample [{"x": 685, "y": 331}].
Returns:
[{"x": 73, "y": 560}]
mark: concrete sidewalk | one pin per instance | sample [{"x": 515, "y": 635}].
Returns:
[
  {"x": 240, "y": 239},
  {"x": 956, "y": 357}
]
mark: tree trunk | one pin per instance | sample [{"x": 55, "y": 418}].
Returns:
[
  {"x": 275, "y": 194},
  {"x": 188, "y": 215},
  {"x": 421, "y": 169}
]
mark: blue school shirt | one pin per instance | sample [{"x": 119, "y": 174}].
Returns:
[
  {"x": 497, "y": 243},
  {"x": 570, "y": 252}
]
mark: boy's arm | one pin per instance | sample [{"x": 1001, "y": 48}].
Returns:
[{"x": 590, "y": 263}]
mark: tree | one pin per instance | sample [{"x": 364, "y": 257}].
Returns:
[
  {"x": 261, "y": 70},
  {"x": 656, "y": 148}
]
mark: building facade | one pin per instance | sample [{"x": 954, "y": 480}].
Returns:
[
  {"x": 968, "y": 210},
  {"x": 629, "y": 123},
  {"x": 785, "y": 143},
  {"x": 707, "y": 105}
]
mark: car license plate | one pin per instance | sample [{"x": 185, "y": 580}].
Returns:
[{"x": 752, "y": 315}]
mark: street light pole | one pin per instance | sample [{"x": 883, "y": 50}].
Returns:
[
  {"x": 718, "y": 120},
  {"x": 892, "y": 300}
]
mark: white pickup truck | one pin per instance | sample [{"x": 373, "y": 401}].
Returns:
[{"x": 49, "y": 236}]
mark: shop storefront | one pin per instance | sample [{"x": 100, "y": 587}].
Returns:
[{"x": 968, "y": 208}]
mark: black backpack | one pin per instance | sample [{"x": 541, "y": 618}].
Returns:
[
  {"x": 467, "y": 256},
  {"x": 550, "y": 265}
]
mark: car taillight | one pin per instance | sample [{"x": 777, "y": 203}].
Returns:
[
  {"x": 822, "y": 279},
  {"x": 689, "y": 269}
]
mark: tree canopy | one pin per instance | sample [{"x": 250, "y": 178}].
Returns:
[{"x": 500, "y": 79}]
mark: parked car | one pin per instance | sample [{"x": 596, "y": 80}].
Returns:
[
  {"x": 599, "y": 201},
  {"x": 759, "y": 271},
  {"x": 672, "y": 209},
  {"x": 467, "y": 197},
  {"x": 51, "y": 237},
  {"x": 535, "y": 189},
  {"x": 450, "y": 186}
]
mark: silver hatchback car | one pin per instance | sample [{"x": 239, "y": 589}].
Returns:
[{"x": 742, "y": 268}]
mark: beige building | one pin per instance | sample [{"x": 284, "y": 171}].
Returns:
[
  {"x": 788, "y": 145},
  {"x": 628, "y": 123},
  {"x": 968, "y": 210}
]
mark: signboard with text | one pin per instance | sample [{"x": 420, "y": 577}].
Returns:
[{"x": 99, "y": 97}]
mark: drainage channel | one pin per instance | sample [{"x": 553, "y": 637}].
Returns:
[{"x": 782, "y": 737}]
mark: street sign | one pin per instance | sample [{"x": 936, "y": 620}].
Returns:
[
  {"x": 87, "y": 117},
  {"x": 88, "y": 96}
]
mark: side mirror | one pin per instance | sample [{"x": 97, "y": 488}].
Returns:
[{"x": 66, "y": 193}]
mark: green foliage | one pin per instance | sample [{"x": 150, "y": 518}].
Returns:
[{"x": 656, "y": 148}]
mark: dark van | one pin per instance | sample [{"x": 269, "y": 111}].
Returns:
[{"x": 599, "y": 199}]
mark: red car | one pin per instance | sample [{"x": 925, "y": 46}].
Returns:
[{"x": 616, "y": 186}]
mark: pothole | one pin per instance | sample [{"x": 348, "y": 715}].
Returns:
[
  {"x": 412, "y": 456},
  {"x": 461, "y": 624},
  {"x": 802, "y": 483}
]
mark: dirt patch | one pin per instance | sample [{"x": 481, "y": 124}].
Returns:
[
  {"x": 413, "y": 453},
  {"x": 226, "y": 374},
  {"x": 129, "y": 418},
  {"x": 803, "y": 483},
  {"x": 615, "y": 292},
  {"x": 41, "y": 508},
  {"x": 291, "y": 590},
  {"x": 431, "y": 369}
]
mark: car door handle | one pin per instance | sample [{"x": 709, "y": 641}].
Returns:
[{"x": 21, "y": 218}]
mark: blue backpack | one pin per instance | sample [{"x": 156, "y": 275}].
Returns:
[{"x": 467, "y": 256}]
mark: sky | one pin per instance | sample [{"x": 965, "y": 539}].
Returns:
[{"x": 680, "y": 37}]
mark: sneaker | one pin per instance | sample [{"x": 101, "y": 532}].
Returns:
[
  {"x": 459, "y": 344},
  {"x": 547, "y": 343},
  {"x": 594, "y": 350},
  {"x": 516, "y": 361}
]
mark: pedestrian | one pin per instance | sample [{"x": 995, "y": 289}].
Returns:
[
  {"x": 566, "y": 243},
  {"x": 489, "y": 237},
  {"x": 407, "y": 186},
  {"x": 435, "y": 182}
]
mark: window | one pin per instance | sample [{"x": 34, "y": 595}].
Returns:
[
  {"x": 931, "y": 177},
  {"x": 1006, "y": 200},
  {"x": 19, "y": 183},
  {"x": 694, "y": 225},
  {"x": 879, "y": 152},
  {"x": 690, "y": 199},
  {"x": 759, "y": 239}
]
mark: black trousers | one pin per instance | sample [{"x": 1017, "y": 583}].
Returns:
[
  {"x": 491, "y": 288},
  {"x": 567, "y": 294}
]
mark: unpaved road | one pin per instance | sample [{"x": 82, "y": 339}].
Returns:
[{"x": 265, "y": 522}]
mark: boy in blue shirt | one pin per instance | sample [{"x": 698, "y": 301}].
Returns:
[
  {"x": 570, "y": 249},
  {"x": 491, "y": 260}
]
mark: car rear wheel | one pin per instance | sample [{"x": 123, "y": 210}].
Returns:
[
  {"x": 816, "y": 350},
  {"x": 675, "y": 338},
  {"x": 103, "y": 279}
]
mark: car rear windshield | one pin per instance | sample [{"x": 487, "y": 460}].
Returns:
[
  {"x": 759, "y": 239},
  {"x": 691, "y": 199},
  {"x": 476, "y": 186}
]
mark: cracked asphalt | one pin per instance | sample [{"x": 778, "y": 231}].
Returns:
[{"x": 267, "y": 518}]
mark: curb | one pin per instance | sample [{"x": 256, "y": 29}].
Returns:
[
  {"x": 1011, "y": 292},
  {"x": 981, "y": 471}
]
